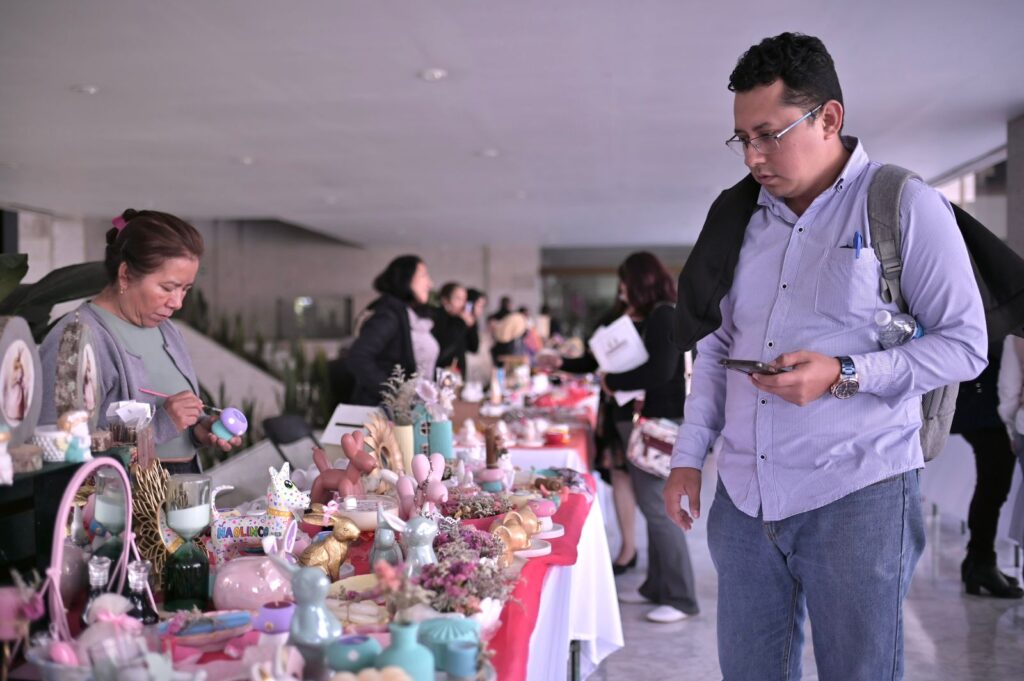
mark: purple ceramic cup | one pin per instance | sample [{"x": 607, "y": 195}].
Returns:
[{"x": 274, "y": 617}]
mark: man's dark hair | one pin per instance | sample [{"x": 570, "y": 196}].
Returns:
[{"x": 800, "y": 61}]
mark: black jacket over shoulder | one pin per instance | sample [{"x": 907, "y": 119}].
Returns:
[
  {"x": 708, "y": 274},
  {"x": 663, "y": 375},
  {"x": 384, "y": 341}
]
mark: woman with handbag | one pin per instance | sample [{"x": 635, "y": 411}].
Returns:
[{"x": 649, "y": 294}]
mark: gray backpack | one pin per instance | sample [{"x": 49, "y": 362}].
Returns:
[{"x": 937, "y": 406}]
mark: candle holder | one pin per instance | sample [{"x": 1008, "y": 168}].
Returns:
[{"x": 187, "y": 571}]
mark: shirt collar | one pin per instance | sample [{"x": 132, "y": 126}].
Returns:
[{"x": 855, "y": 165}]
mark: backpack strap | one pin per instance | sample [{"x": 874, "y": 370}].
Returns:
[{"x": 884, "y": 223}]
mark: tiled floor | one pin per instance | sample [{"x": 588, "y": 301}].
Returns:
[{"x": 949, "y": 635}]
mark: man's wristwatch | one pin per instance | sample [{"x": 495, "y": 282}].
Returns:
[{"x": 847, "y": 385}]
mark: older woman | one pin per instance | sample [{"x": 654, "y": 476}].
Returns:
[
  {"x": 151, "y": 263},
  {"x": 394, "y": 333}
]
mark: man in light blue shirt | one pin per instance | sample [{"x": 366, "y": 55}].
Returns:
[{"x": 818, "y": 508}]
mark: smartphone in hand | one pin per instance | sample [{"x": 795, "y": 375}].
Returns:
[{"x": 750, "y": 366}]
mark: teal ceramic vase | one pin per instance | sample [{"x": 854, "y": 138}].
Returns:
[
  {"x": 420, "y": 430},
  {"x": 407, "y": 653},
  {"x": 437, "y": 633},
  {"x": 440, "y": 438}
]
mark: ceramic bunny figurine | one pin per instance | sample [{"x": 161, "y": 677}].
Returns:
[
  {"x": 313, "y": 627},
  {"x": 348, "y": 481},
  {"x": 417, "y": 540},
  {"x": 424, "y": 491},
  {"x": 385, "y": 546},
  {"x": 329, "y": 554}
]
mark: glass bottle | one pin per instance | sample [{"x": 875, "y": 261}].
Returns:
[
  {"x": 99, "y": 575},
  {"x": 138, "y": 581}
]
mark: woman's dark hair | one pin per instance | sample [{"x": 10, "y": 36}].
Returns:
[
  {"x": 144, "y": 239},
  {"x": 397, "y": 277},
  {"x": 647, "y": 282},
  {"x": 800, "y": 61},
  {"x": 473, "y": 295},
  {"x": 449, "y": 288}
]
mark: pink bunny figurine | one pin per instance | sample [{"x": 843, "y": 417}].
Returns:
[{"x": 427, "y": 492}]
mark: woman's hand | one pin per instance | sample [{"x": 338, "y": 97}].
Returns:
[
  {"x": 204, "y": 434},
  {"x": 184, "y": 408}
]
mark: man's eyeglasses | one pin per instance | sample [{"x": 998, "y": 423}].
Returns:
[{"x": 766, "y": 144}]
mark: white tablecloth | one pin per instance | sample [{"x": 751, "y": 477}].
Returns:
[
  {"x": 547, "y": 457},
  {"x": 578, "y": 602}
]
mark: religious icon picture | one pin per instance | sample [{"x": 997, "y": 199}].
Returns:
[
  {"x": 89, "y": 380},
  {"x": 17, "y": 375}
]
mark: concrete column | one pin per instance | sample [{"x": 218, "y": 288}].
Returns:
[{"x": 1015, "y": 184}]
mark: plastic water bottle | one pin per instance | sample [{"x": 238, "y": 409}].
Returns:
[{"x": 896, "y": 329}]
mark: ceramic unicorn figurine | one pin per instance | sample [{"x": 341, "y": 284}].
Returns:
[{"x": 230, "y": 534}]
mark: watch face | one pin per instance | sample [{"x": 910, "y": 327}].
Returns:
[{"x": 846, "y": 388}]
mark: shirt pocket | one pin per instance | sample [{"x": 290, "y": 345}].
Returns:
[{"x": 847, "y": 289}]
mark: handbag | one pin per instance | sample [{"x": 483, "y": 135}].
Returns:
[{"x": 650, "y": 443}]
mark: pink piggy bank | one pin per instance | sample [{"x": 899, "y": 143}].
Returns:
[{"x": 249, "y": 583}]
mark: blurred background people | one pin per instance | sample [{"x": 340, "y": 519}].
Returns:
[
  {"x": 978, "y": 420},
  {"x": 455, "y": 327},
  {"x": 398, "y": 332},
  {"x": 647, "y": 293}
]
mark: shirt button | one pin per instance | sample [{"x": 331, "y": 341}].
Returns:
[
  {"x": 771, "y": 344},
  {"x": 800, "y": 229},
  {"x": 764, "y": 402},
  {"x": 762, "y": 457},
  {"x": 785, "y": 285}
]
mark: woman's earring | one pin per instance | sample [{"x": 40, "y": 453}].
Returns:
[{"x": 122, "y": 291}]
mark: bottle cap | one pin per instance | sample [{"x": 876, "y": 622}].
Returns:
[
  {"x": 99, "y": 571},
  {"x": 138, "y": 574},
  {"x": 883, "y": 317}
]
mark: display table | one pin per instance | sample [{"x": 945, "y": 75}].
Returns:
[{"x": 567, "y": 596}]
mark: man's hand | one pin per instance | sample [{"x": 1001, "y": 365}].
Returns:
[
  {"x": 683, "y": 482},
  {"x": 812, "y": 375}
]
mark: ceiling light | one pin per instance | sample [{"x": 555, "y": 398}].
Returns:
[
  {"x": 246, "y": 160},
  {"x": 85, "y": 89},
  {"x": 490, "y": 152},
  {"x": 433, "y": 75}
]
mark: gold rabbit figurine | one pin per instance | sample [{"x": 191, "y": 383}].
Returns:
[{"x": 329, "y": 554}]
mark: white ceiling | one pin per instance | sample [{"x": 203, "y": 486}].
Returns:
[{"x": 609, "y": 115}]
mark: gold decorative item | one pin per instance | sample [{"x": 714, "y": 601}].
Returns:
[
  {"x": 529, "y": 520},
  {"x": 149, "y": 490},
  {"x": 513, "y": 528},
  {"x": 329, "y": 554},
  {"x": 319, "y": 515},
  {"x": 383, "y": 444}
]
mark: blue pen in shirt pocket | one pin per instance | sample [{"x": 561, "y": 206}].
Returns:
[{"x": 858, "y": 244}]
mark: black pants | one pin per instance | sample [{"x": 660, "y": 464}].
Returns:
[{"x": 994, "y": 459}]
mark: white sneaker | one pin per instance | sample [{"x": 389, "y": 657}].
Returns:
[
  {"x": 631, "y": 597},
  {"x": 666, "y": 614}
]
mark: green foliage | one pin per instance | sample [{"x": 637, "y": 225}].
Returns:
[
  {"x": 35, "y": 301},
  {"x": 307, "y": 387}
]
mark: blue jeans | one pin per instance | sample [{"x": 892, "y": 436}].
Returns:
[{"x": 848, "y": 565}]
